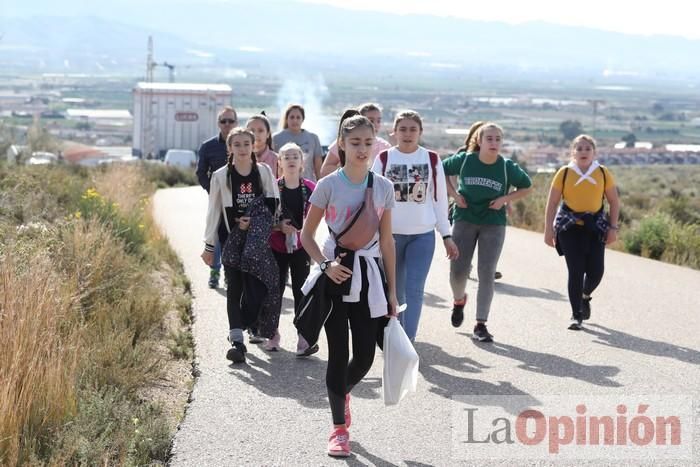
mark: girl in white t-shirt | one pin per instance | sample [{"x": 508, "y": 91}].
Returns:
[{"x": 421, "y": 207}]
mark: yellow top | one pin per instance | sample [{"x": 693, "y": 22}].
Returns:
[{"x": 584, "y": 197}]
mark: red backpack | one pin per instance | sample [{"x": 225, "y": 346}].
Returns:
[{"x": 434, "y": 158}]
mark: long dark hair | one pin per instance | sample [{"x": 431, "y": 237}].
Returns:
[
  {"x": 229, "y": 160},
  {"x": 261, "y": 117},
  {"x": 289, "y": 109},
  {"x": 350, "y": 120},
  {"x": 471, "y": 143}
]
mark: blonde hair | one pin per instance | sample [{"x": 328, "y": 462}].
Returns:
[
  {"x": 291, "y": 147},
  {"x": 587, "y": 138},
  {"x": 368, "y": 107},
  {"x": 486, "y": 126}
]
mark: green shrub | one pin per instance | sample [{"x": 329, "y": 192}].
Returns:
[
  {"x": 649, "y": 237},
  {"x": 683, "y": 245},
  {"x": 169, "y": 176}
]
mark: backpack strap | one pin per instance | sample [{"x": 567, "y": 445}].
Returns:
[
  {"x": 383, "y": 156},
  {"x": 434, "y": 158},
  {"x": 605, "y": 181}
]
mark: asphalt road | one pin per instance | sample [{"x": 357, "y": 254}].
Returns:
[{"x": 642, "y": 340}]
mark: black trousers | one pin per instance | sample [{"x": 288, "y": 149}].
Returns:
[
  {"x": 342, "y": 373},
  {"x": 585, "y": 260},
  {"x": 298, "y": 263},
  {"x": 244, "y": 296}
]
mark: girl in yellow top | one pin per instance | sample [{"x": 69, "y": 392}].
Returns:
[{"x": 581, "y": 229}]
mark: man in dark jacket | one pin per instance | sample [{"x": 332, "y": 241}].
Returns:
[{"x": 212, "y": 156}]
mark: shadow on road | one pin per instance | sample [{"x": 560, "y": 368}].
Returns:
[
  {"x": 438, "y": 368},
  {"x": 285, "y": 376},
  {"x": 622, "y": 340},
  {"x": 518, "y": 291},
  {"x": 434, "y": 300},
  {"x": 360, "y": 456},
  {"x": 554, "y": 365}
]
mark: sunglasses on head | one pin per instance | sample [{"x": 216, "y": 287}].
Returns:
[{"x": 229, "y": 121}]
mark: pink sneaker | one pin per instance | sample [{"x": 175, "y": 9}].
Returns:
[
  {"x": 273, "y": 345},
  {"x": 348, "y": 416},
  {"x": 339, "y": 443},
  {"x": 303, "y": 348}
]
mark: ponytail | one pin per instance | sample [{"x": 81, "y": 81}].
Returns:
[{"x": 471, "y": 144}]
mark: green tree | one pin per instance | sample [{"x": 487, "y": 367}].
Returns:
[
  {"x": 629, "y": 140},
  {"x": 570, "y": 129},
  {"x": 39, "y": 139},
  {"x": 7, "y": 137}
]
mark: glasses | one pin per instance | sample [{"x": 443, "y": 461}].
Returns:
[{"x": 229, "y": 121}]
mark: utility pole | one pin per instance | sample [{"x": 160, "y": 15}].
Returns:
[
  {"x": 150, "y": 64},
  {"x": 148, "y": 126},
  {"x": 595, "y": 103}
]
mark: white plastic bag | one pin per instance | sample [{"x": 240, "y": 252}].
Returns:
[{"x": 400, "y": 364}]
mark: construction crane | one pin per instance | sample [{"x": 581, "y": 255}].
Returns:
[{"x": 151, "y": 64}]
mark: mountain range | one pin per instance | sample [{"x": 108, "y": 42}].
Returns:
[{"x": 111, "y": 36}]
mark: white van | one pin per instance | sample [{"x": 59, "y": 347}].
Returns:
[{"x": 183, "y": 158}]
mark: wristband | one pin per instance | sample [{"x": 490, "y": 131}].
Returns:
[{"x": 445, "y": 237}]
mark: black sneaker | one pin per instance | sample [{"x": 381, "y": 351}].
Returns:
[
  {"x": 237, "y": 352},
  {"x": 458, "y": 312},
  {"x": 586, "y": 308},
  {"x": 575, "y": 324},
  {"x": 482, "y": 334}
]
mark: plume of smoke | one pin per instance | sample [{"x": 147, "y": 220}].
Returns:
[{"x": 309, "y": 92}]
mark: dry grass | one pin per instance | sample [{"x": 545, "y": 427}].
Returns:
[
  {"x": 38, "y": 358},
  {"x": 82, "y": 321}
]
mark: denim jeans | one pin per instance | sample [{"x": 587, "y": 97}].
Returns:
[
  {"x": 414, "y": 254},
  {"x": 216, "y": 265}
]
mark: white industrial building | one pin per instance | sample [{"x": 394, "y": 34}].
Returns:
[{"x": 175, "y": 115}]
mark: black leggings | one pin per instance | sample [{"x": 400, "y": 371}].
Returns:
[
  {"x": 585, "y": 258},
  {"x": 298, "y": 263},
  {"x": 342, "y": 376}
]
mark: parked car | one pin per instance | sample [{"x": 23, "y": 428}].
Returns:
[
  {"x": 42, "y": 157},
  {"x": 183, "y": 158}
]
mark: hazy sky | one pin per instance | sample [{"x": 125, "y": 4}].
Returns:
[{"x": 675, "y": 17}]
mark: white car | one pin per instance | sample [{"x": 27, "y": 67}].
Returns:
[{"x": 183, "y": 158}]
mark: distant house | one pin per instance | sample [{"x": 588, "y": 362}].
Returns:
[
  {"x": 546, "y": 156},
  {"x": 102, "y": 117},
  {"x": 637, "y": 145},
  {"x": 636, "y": 156}
]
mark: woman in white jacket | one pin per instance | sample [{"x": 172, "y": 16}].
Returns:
[
  {"x": 421, "y": 207},
  {"x": 233, "y": 188}
]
